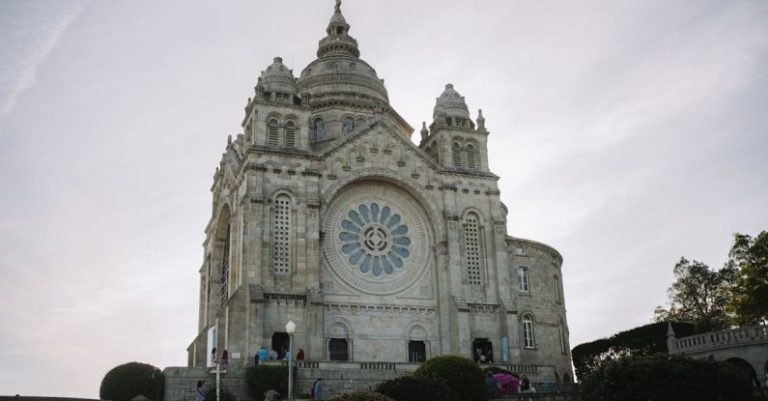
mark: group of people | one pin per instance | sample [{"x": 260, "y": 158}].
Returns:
[
  {"x": 483, "y": 357},
  {"x": 262, "y": 355},
  {"x": 498, "y": 385}
]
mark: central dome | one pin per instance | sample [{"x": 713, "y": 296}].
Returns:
[{"x": 338, "y": 75}]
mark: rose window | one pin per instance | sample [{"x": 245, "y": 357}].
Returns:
[{"x": 373, "y": 239}]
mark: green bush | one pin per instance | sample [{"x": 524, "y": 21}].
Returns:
[
  {"x": 643, "y": 340},
  {"x": 126, "y": 381},
  {"x": 660, "y": 378},
  {"x": 224, "y": 395},
  {"x": 463, "y": 376},
  {"x": 362, "y": 396},
  {"x": 415, "y": 388},
  {"x": 265, "y": 377}
]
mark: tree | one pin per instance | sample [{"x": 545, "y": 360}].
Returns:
[
  {"x": 749, "y": 293},
  {"x": 699, "y": 296},
  {"x": 126, "y": 381}
]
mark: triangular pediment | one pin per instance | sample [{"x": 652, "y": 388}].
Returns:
[{"x": 379, "y": 135}]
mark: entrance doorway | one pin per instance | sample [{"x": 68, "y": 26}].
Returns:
[
  {"x": 417, "y": 351},
  {"x": 280, "y": 343},
  {"x": 338, "y": 349},
  {"x": 482, "y": 350}
]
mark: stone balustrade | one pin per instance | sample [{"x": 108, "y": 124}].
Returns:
[{"x": 721, "y": 339}]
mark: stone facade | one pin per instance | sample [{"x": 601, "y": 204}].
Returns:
[{"x": 326, "y": 213}]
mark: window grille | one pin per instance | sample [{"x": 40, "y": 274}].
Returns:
[
  {"x": 456, "y": 155},
  {"x": 471, "y": 157},
  {"x": 290, "y": 135},
  {"x": 272, "y": 139},
  {"x": 472, "y": 249},
  {"x": 281, "y": 228}
]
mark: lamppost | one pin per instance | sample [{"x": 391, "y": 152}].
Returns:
[{"x": 290, "y": 328}]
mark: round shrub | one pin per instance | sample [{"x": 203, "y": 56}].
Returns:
[
  {"x": 362, "y": 396},
  {"x": 416, "y": 388},
  {"x": 463, "y": 376},
  {"x": 129, "y": 380},
  {"x": 658, "y": 377}
]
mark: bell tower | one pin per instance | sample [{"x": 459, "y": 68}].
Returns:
[{"x": 453, "y": 139}]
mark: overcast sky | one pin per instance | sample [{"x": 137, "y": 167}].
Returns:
[{"x": 626, "y": 135}]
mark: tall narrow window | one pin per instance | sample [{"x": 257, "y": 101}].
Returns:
[
  {"x": 557, "y": 288},
  {"x": 471, "y": 154},
  {"x": 528, "y": 334},
  {"x": 522, "y": 278},
  {"x": 456, "y": 153},
  {"x": 472, "y": 249},
  {"x": 281, "y": 229},
  {"x": 319, "y": 128},
  {"x": 224, "y": 277},
  {"x": 290, "y": 135},
  {"x": 561, "y": 333},
  {"x": 272, "y": 133},
  {"x": 347, "y": 126}
]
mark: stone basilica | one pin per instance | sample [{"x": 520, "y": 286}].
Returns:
[{"x": 326, "y": 213}]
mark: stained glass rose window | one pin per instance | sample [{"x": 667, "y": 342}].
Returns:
[{"x": 374, "y": 240}]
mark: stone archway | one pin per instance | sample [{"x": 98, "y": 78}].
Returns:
[{"x": 745, "y": 367}]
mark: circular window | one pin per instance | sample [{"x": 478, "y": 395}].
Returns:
[{"x": 378, "y": 241}]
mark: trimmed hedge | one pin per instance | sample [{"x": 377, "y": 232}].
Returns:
[
  {"x": 658, "y": 377},
  {"x": 643, "y": 340},
  {"x": 265, "y": 377},
  {"x": 362, "y": 396},
  {"x": 462, "y": 375},
  {"x": 128, "y": 380},
  {"x": 415, "y": 388}
]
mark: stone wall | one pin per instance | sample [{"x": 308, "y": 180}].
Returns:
[{"x": 180, "y": 382}]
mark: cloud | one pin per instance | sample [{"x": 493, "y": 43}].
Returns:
[{"x": 32, "y": 47}]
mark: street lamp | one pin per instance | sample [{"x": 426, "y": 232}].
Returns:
[{"x": 290, "y": 328}]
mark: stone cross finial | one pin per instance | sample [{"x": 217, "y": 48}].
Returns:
[{"x": 338, "y": 6}]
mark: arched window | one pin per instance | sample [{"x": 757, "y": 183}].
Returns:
[
  {"x": 290, "y": 135},
  {"x": 281, "y": 235},
  {"x": 472, "y": 249},
  {"x": 272, "y": 139},
  {"x": 557, "y": 288},
  {"x": 528, "y": 333},
  {"x": 522, "y": 278},
  {"x": 456, "y": 153},
  {"x": 347, "y": 126},
  {"x": 471, "y": 155},
  {"x": 318, "y": 128}
]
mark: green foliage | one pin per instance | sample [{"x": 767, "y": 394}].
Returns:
[
  {"x": 656, "y": 377},
  {"x": 126, "y": 381},
  {"x": 643, "y": 340},
  {"x": 461, "y": 374},
  {"x": 699, "y": 296},
  {"x": 224, "y": 395},
  {"x": 362, "y": 396},
  {"x": 749, "y": 294},
  {"x": 417, "y": 388},
  {"x": 265, "y": 377}
]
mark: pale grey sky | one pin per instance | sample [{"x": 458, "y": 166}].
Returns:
[{"x": 627, "y": 134}]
